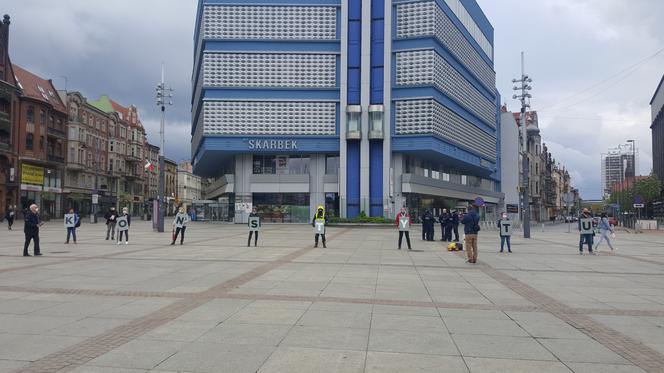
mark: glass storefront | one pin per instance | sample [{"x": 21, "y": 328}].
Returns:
[
  {"x": 283, "y": 207},
  {"x": 418, "y": 203},
  {"x": 281, "y": 164}
]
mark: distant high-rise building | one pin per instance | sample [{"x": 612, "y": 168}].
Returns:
[
  {"x": 657, "y": 127},
  {"x": 618, "y": 167}
]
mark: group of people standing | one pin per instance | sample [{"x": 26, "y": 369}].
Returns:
[{"x": 449, "y": 223}]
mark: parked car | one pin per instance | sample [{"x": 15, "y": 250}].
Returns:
[
  {"x": 613, "y": 221},
  {"x": 571, "y": 219}
]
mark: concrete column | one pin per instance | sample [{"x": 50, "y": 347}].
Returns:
[
  {"x": 316, "y": 182},
  {"x": 397, "y": 165},
  {"x": 389, "y": 201},
  {"x": 343, "y": 102},
  {"x": 242, "y": 187},
  {"x": 365, "y": 92}
]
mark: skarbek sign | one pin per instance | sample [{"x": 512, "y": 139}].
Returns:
[{"x": 272, "y": 144}]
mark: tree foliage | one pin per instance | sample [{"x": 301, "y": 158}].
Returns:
[{"x": 648, "y": 189}]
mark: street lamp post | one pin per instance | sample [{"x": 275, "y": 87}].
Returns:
[
  {"x": 164, "y": 95},
  {"x": 523, "y": 97},
  {"x": 633, "y": 188}
]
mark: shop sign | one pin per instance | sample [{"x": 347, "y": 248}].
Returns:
[
  {"x": 33, "y": 188},
  {"x": 52, "y": 189},
  {"x": 272, "y": 144},
  {"x": 243, "y": 207},
  {"x": 32, "y": 174}
]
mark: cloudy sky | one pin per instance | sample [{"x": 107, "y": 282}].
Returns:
[{"x": 593, "y": 62}]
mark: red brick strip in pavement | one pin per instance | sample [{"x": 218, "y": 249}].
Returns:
[
  {"x": 87, "y": 350},
  {"x": 636, "y": 352}
]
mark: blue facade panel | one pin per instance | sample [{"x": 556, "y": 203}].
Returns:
[
  {"x": 376, "y": 178},
  {"x": 353, "y": 179}
]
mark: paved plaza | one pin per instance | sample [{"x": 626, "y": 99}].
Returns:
[{"x": 215, "y": 305}]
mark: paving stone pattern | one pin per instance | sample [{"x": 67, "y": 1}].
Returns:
[{"x": 215, "y": 305}]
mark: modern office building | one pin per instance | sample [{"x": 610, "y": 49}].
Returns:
[
  {"x": 364, "y": 106},
  {"x": 618, "y": 167},
  {"x": 657, "y": 127}
]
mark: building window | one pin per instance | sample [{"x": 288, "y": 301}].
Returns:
[
  {"x": 464, "y": 179},
  {"x": 42, "y": 118},
  {"x": 41, "y": 143},
  {"x": 332, "y": 164},
  {"x": 31, "y": 114},
  {"x": 446, "y": 176},
  {"x": 273, "y": 164},
  {"x": 29, "y": 139}
]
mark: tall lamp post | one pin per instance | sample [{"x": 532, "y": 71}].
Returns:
[
  {"x": 633, "y": 144},
  {"x": 524, "y": 98},
  {"x": 164, "y": 95}
]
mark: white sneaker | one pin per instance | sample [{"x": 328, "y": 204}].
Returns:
[
  {"x": 126, "y": 242},
  {"x": 118, "y": 242}
]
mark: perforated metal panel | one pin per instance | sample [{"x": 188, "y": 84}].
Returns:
[
  {"x": 426, "y": 18},
  {"x": 269, "y": 22},
  {"x": 426, "y": 67},
  {"x": 269, "y": 70},
  {"x": 427, "y": 116},
  {"x": 269, "y": 118}
]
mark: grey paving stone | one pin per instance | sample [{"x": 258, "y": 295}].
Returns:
[
  {"x": 501, "y": 347},
  {"x": 487, "y": 365},
  {"x": 138, "y": 354},
  {"x": 298, "y": 359},
  {"x": 327, "y": 337},
  {"x": 246, "y": 334},
  {"x": 214, "y": 358},
  {"x": 582, "y": 351},
  {"x": 462, "y": 325},
  {"x": 386, "y": 362},
  {"x": 97, "y": 369},
  {"x": 182, "y": 331},
  {"x": 603, "y": 368},
  {"x": 434, "y": 341},
  {"x": 406, "y": 322},
  {"x": 336, "y": 319},
  {"x": 33, "y": 347}
]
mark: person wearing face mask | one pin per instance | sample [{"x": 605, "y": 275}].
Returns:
[
  {"x": 31, "y": 230},
  {"x": 253, "y": 230},
  {"x": 403, "y": 223},
  {"x": 505, "y": 229},
  {"x": 110, "y": 217},
  {"x": 587, "y": 231},
  {"x": 180, "y": 225},
  {"x": 319, "y": 222},
  {"x": 124, "y": 228}
]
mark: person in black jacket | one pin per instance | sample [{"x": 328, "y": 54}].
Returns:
[
  {"x": 253, "y": 214},
  {"x": 10, "y": 215},
  {"x": 110, "y": 216},
  {"x": 455, "y": 225},
  {"x": 31, "y": 230},
  {"x": 428, "y": 222},
  {"x": 319, "y": 217}
]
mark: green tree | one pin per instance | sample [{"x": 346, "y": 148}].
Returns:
[{"x": 648, "y": 189}]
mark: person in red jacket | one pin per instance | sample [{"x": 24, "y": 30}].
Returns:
[{"x": 403, "y": 223}]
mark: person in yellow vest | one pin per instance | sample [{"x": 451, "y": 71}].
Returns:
[{"x": 319, "y": 222}]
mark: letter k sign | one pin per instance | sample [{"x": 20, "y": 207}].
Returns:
[{"x": 69, "y": 220}]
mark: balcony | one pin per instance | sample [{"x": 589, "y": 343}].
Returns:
[
  {"x": 133, "y": 158},
  {"x": 56, "y": 133},
  {"x": 5, "y": 147},
  {"x": 56, "y": 158},
  {"x": 75, "y": 166},
  {"x": 133, "y": 176},
  {"x": 354, "y": 122}
]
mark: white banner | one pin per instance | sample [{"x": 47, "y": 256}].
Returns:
[
  {"x": 123, "y": 224},
  {"x": 180, "y": 220},
  {"x": 319, "y": 227},
  {"x": 70, "y": 220},
  {"x": 254, "y": 223},
  {"x": 505, "y": 228},
  {"x": 586, "y": 225},
  {"x": 404, "y": 223}
]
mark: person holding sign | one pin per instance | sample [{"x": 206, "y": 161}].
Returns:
[
  {"x": 403, "y": 223},
  {"x": 505, "y": 226},
  {"x": 587, "y": 231},
  {"x": 123, "y": 222},
  {"x": 254, "y": 225},
  {"x": 72, "y": 221},
  {"x": 31, "y": 229},
  {"x": 319, "y": 222},
  {"x": 180, "y": 225}
]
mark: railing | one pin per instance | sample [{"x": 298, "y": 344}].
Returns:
[
  {"x": 56, "y": 158},
  {"x": 56, "y": 132},
  {"x": 5, "y": 146}
]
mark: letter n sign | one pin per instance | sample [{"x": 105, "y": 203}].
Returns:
[
  {"x": 586, "y": 225},
  {"x": 179, "y": 221}
]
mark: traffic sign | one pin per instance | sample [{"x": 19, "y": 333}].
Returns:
[
  {"x": 479, "y": 201},
  {"x": 637, "y": 200},
  {"x": 639, "y": 205}
]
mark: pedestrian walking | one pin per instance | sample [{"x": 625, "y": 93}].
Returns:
[
  {"x": 586, "y": 231},
  {"x": 319, "y": 222},
  {"x": 455, "y": 225},
  {"x": 505, "y": 229},
  {"x": 10, "y": 215},
  {"x": 72, "y": 221},
  {"x": 471, "y": 226},
  {"x": 123, "y": 222},
  {"x": 403, "y": 223},
  {"x": 180, "y": 224},
  {"x": 110, "y": 216},
  {"x": 31, "y": 229},
  {"x": 254, "y": 225},
  {"x": 605, "y": 230}
]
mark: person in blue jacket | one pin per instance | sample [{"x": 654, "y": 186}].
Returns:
[{"x": 71, "y": 231}]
